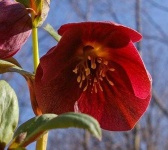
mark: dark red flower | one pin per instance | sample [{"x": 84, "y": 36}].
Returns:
[
  {"x": 15, "y": 27},
  {"x": 95, "y": 69}
]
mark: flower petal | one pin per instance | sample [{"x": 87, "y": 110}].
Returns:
[
  {"x": 129, "y": 58},
  {"x": 15, "y": 25},
  {"x": 61, "y": 55},
  {"x": 98, "y": 28},
  {"x": 55, "y": 81},
  {"x": 116, "y": 108},
  {"x": 57, "y": 95}
]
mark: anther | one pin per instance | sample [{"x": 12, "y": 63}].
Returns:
[
  {"x": 75, "y": 70},
  {"x": 93, "y": 64},
  {"x": 83, "y": 77},
  {"x": 95, "y": 80},
  {"x": 89, "y": 57},
  {"x": 80, "y": 85},
  {"x": 95, "y": 88},
  {"x": 87, "y": 70},
  {"x": 110, "y": 82},
  {"x": 111, "y": 69},
  {"x": 78, "y": 79},
  {"x": 85, "y": 88},
  {"x": 105, "y": 62},
  {"x": 99, "y": 60}
]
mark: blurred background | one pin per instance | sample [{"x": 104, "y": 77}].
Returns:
[{"x": 150, "y": 17}]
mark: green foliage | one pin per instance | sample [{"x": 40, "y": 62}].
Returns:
[
  {"x": 52, "y": 32},
  {"x": 37, "y": 126},
  {"x": 9, "y": 113},
  {"x": 12, "y": 66}
]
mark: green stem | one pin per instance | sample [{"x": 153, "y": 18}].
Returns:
[
  {"x": 35, "y": 47},
  {"x": 42, "y": 141},
  {"x": 52, "y": 32}
]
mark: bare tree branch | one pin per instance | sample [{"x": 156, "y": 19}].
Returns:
[
  {"x": 76, "y": 6},
  {"x": 161, "y": 7},
  {"x": 86, "y": 140},
  {"x": 112, "y": 12},
  {"x": 136, "y": 130},
  {"x": 158, "y": 102},
  {"x": 152, "y": 37},
  {"x": 155, "y": 25}
]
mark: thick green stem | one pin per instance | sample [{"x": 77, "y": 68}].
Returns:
[
  {"x": 42, "y": 141},
  {"x": 35, "y": 47}
]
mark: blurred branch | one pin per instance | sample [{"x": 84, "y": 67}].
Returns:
[
  {"x": 86, "y": 140},
  {"x": 112, "y": 12},
  {"x": 136, "y": 137},
  {"x": 138, "y": 20},
  {"x": 159, "y": 103},
  {"x": 128, "y": 138},
  {"x": 152, "y": 37},
  {"x": 76, "y": 6},
  {"x": 136, "y": 130},
  {"x": 155, "y": 25},
  {"x": 161, "y": 7}
]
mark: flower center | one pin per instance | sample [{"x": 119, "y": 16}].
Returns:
[{"x": 92, "y": 71}]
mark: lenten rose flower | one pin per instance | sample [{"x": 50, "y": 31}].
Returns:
[
  {"x": 15, "y": 27},
  {"x": 95, "y": 69}
]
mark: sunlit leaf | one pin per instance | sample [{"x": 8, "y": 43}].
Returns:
[
  {"x": 13, "y": 60},
  {"x": 6, "y": 66},
  {"x": 9, "y": 113},
  {"x": 37, "y": 126},
  {"x": 52, "y": 32}
]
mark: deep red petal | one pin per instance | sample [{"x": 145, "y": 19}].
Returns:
[
  {"x": 129, "y": 58},
  {"x": 55, "y": 81},
  {"x": 100, "y": 28},
  {"x": 59, "y": 56},
  {"x": 59, "y": 94},
  {"x": 116, "y": 108},
  {"x": 15, "y": 27}
]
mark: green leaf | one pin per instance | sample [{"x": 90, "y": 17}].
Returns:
[
  {"x": 9, "y": 113},
  {"x": 52, "y": 32},
  {"x": 37, "y": 126},
  {"x": 13, "y": 66},
  {"x": 6, "y": 66}
]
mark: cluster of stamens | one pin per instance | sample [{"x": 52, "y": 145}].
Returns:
[{"x": 91, "y": 72}]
